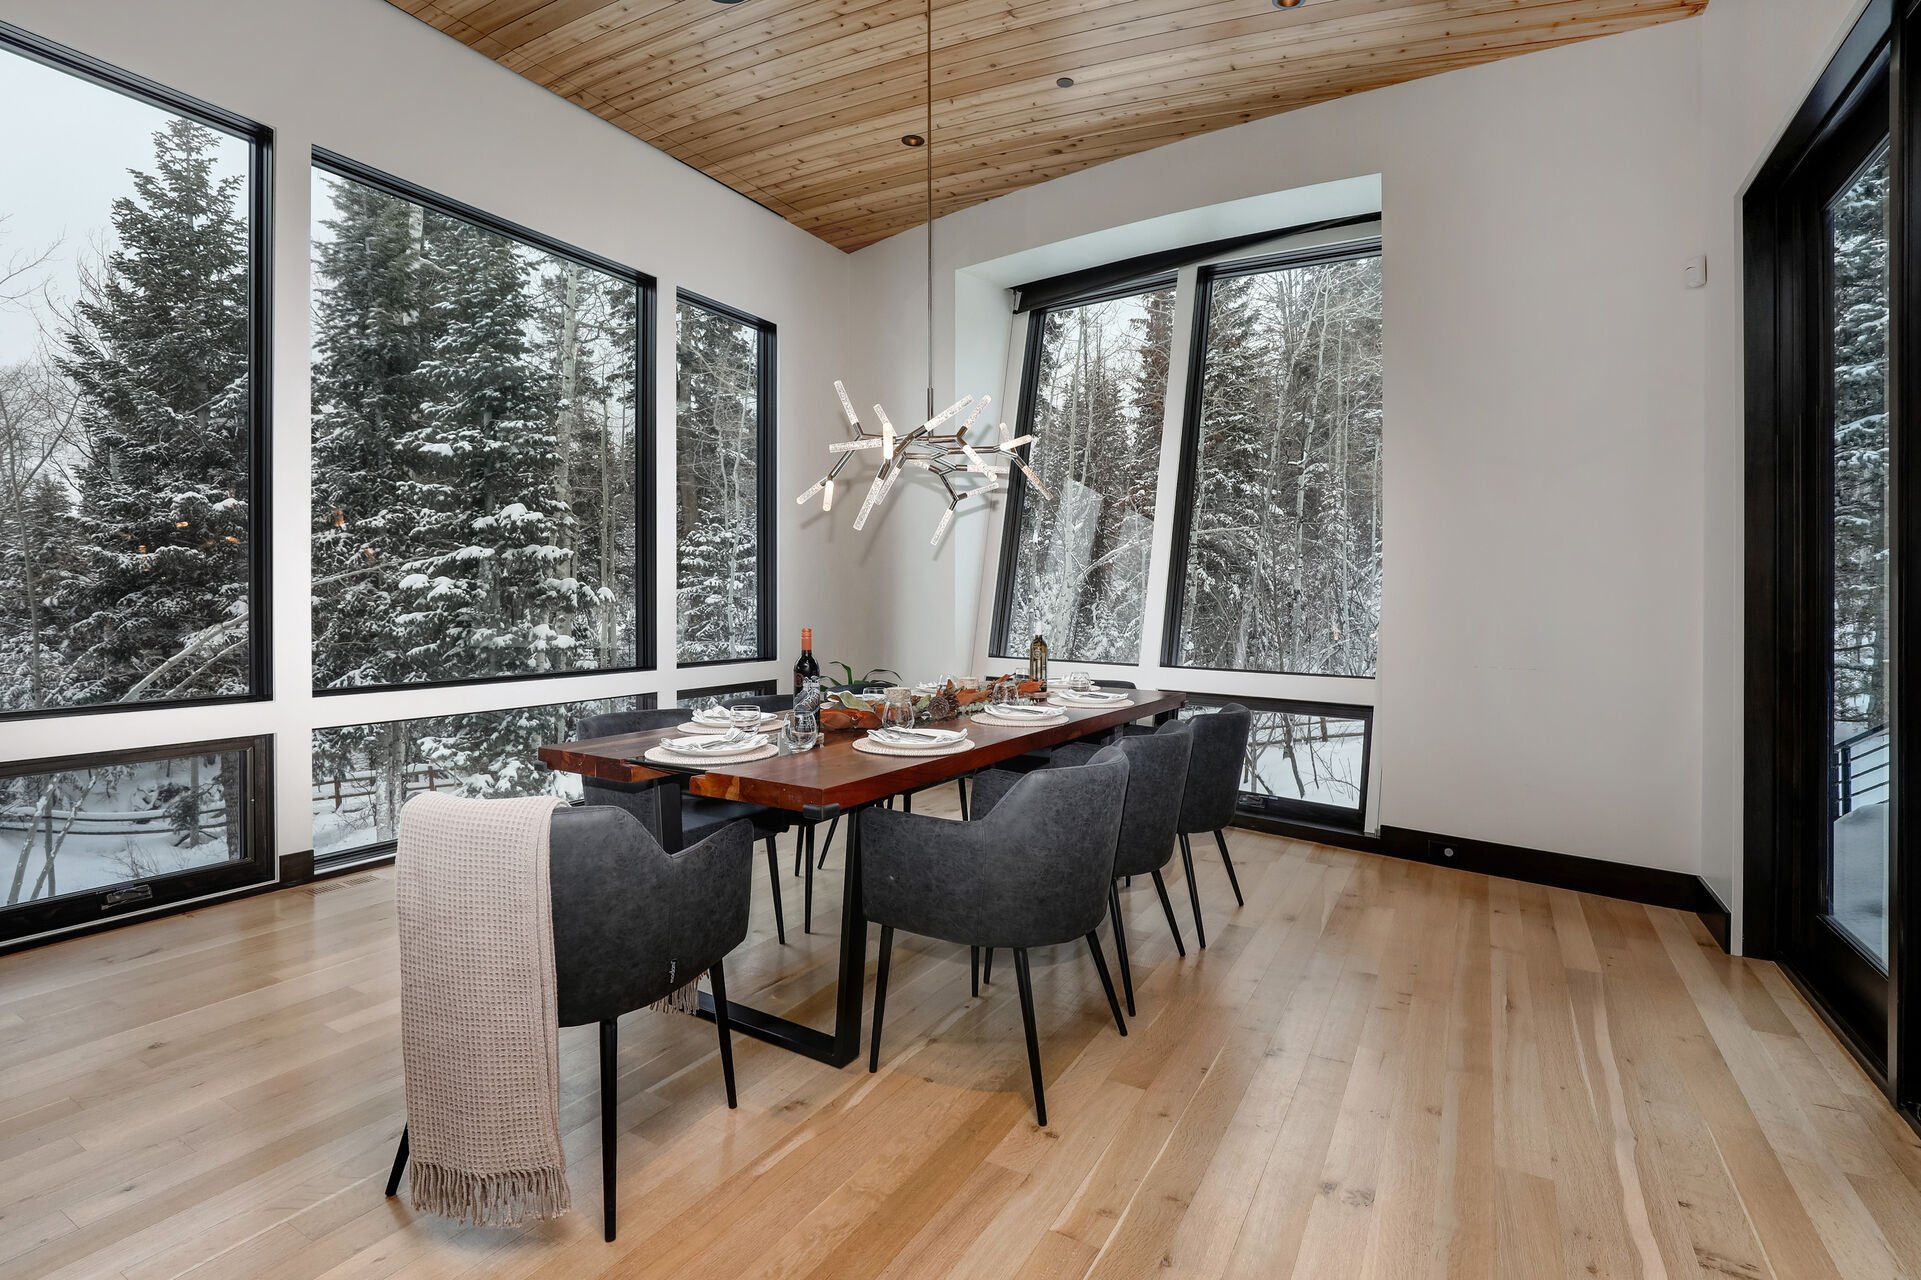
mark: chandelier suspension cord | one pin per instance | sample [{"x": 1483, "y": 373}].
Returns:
[
  {"x": 938, "y": 447},
  {"x": 930, "y": 208}
]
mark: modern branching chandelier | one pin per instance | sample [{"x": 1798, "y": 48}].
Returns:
[{"x": 946, "y": 455}]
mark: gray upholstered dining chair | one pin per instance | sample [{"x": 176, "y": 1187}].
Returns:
[
  {"x": 699, "y": 815},
  {"x": 1156, "y": 783},
  {"x": 1033, "y": 872},
  {"x": 632, "y": 924},
  {"x": 1213, "y": 789}
]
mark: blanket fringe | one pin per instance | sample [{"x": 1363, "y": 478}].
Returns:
[
  {"x": 489, "y": 1199},
  {"x": 683, "y": 999}
]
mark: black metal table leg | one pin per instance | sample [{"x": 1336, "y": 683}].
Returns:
[
  {"x": 842, "y": 1045},
  {"x": 853, "y": 950},
  {"x": 667, "y": 794},
  {"x": 807, "y": 884}
]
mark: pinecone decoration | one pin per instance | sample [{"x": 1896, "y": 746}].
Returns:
[{"x": 943, "y": 705}]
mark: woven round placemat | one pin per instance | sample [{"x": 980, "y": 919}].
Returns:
[{"x": 873, "y": 748}]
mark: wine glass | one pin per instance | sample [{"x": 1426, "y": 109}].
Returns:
[{"x": 805, "y": 730}]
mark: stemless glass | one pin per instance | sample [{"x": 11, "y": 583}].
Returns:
[
  {"x": 745, "y": 715},
  {"x": 1079, "y": 680},
  {"x": 897, "y": 712},
  {"x": 805, "y": 728}
]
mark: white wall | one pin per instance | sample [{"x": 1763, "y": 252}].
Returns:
[
  {"x": 1541, "y": 658},
  {"x": 362, "y": 78}
]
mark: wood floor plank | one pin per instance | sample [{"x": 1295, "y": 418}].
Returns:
[{"x": 1376, "y": 1069}]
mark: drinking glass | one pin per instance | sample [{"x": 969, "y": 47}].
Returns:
[
  {"x": 744, "y": 715},
  {"x": 1079, "y": 680},
  {"x": 805, "y": 729},
  {"x": 897, "y": 712}
]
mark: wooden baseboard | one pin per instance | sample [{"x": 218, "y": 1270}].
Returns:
[{"x": 1651, "y": 885}]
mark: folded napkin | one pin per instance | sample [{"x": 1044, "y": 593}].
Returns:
[
  {"x": 1091, "y": 698},
  {"x": 725, "y": 744},
  {"x": 1024, "y": 709},
  {"x": 714, "y": 717},
  {"x": 916, "y": 737}
]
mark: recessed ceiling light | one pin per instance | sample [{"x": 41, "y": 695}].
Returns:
[
  {"x": 1065, "y": 82},
  {"x": 1288, "y": 4},
  {"x": 913, "y": 140}
]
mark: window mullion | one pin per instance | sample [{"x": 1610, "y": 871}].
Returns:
[{"x": 1167, "y": 479}]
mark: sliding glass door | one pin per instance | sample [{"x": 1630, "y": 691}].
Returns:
[
  {"x": 1839, "y": 922},
  {"x": 1833, "y": 494}
]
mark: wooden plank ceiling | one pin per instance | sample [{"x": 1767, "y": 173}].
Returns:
[{"x": 802, "y": 104}]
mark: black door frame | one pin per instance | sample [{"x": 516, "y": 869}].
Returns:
[{"x": 1870, "y": 88}]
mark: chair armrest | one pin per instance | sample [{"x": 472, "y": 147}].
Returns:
[{"x": 989, "y": 787}]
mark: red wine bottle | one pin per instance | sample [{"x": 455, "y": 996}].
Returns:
[{"x": 806, "y": 674}]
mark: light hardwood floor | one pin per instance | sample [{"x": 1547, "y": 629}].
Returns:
[{"x": 1377, "y": 1069}]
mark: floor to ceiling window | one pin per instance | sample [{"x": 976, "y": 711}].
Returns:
[
  {"x": 475, "y": 466},
  {"x": 130, "y": 405},
  {"x": 1094, "y": 400},
  {"x": 1278, "y": 560},
  {"x": 723, "y": 479},
  {"x": 364, "y": 773},
  {"x": 132, "y": 548},
  {"x": 1243, "y": 560}
]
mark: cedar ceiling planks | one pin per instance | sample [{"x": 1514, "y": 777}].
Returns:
[{"x": 801, "y": 104}]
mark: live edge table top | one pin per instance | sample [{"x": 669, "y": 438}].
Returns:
[{"x": 835, "y": 774}]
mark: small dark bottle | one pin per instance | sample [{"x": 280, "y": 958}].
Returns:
[
  {"x": 1037, "y": 660},
  {"x": 806, "y": 674}
]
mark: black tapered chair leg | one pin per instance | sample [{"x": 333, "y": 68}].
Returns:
[
  {"x": 773, "y": 882},
  {"x": 907, "y": 803},
  {"x": 1107, "y": 980},
  {"x": 400, "y": 1164},
  {"x": 807, "y": 884},
  {"x": 1193, "y": 890},
  {"x": 717, "y": 979},
  {"x": 1220, "y": 838},
  {"x": 1167, "y": 905},
  {"x": 826, "y": 844},
  {"x": 880, "y": 993},
  {"x": 987, "y": 965},
  {"x": 800, "y": 846},
  {"x": 973, "y": 976},
  {"x": 1120, "y": 946},
  {"x": 962, "y": 784},
  {"x": 1033, "y": 1039},
  {"x": 609, "y": 1126}
]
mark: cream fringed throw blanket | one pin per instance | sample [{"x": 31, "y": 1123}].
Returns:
[{"x": 478, "y": 1032}]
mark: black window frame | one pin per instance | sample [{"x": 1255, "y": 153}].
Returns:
[
  {"x": 645, "y": 434},
  {"x": 1255, "y": 805},
  {"x": 260, "y": 174},
  {"x": 378, "y": 851},
  {"x": 739, "y": 689},
  {"x": 766, "y": 477},
  {"x": 998, "y": 639},
  {"x": 1187, "y": 480},
  {"x": 22, "y": 925}
]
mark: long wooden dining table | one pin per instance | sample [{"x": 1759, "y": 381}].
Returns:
[{"x": 832, "y": 780}]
